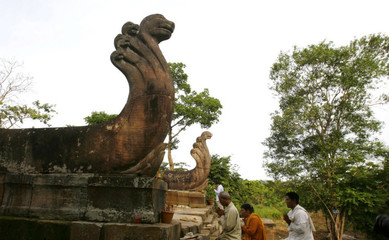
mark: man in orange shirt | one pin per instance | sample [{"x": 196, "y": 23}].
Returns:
[{"x": 253, "y": 228}]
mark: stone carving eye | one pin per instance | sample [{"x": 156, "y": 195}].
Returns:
[{"x": 124, "y": 44}]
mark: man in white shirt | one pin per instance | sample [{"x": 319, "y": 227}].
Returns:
[
  {"x": 299, "y": 222},
  {"x": 229, "y": 219},
  {"x": 218, "y": 190}
]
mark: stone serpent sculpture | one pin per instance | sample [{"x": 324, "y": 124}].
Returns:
[
  {"x": 132, "y": 143},
  {"x": 197, "y": 178}
]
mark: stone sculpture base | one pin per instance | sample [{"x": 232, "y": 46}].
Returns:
[
  {"x": 187, "y": 198},
  {"x": 26, "y": 228},
  {"x": 82, "y": 197}
]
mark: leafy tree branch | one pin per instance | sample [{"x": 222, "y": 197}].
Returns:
[{"x": 13, "y": 82}]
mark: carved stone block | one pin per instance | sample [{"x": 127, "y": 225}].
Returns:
[
  {"x": 187, "y": 198},
  {"x": 101, "y": 198},
  {"x": 25, "y": 228},
  {"x": 118, "y": 199}
]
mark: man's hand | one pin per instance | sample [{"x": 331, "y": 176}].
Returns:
[
  {"x": 286, "y": 218},
  {"x": 219, "y": 211}
]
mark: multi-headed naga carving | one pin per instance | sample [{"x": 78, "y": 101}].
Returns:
[
  {"x": 130, "y": 143},
  {"x": 197, "y": 178}
]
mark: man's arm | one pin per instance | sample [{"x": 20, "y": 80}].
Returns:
[
  {"x": 300, "y": 223},
  {"x": 230, "y": 221},
  {"x": 252, "y": 227},
  {"x": 286, "y": 219}
]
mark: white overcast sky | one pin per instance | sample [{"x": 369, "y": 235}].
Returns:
[{"x": 228, "y": 47}]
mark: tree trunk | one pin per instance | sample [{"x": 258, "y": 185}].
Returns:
[
  {"x": 337, "y": 227},
  {"x": 169, "y": 151}
]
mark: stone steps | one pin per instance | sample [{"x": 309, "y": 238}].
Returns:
[
  {"x": 207, "y": 226},
  {"x": 199, "y": 221}
]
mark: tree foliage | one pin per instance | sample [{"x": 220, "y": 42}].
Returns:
[
  {"x": 262, "y": 194},
  {"x": 190, "y": 108},
  {"x": 178, "y": 166},
  {"x": 13, "y": 83},
  {"x": 224, "y": 172},
  {"x": 323, "y": 135},
  {"x": 98, "y": 117}
]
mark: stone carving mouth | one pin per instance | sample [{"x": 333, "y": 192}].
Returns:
[{"x": 167, "y": 28}]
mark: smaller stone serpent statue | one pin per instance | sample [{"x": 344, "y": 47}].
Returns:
[{"x": 197, "y": 178}]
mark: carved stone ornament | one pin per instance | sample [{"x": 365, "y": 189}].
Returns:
[
  {"x": 132, "y": 142},
  {"x": 197, "y": 178}
]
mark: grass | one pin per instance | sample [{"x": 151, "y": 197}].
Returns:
[
  {"x": 268, "y": 212},
  {"x": 318, "y": 219}
]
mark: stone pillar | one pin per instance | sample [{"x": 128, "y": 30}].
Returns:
[{"x": 269, "y": 228}]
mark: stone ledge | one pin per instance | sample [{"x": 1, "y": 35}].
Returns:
[
  {"x": 187, "y": 198},
  {"x": 14, "y": 228},
  {"x": 82, "y": 197}
]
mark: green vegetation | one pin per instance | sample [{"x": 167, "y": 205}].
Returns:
[
  {"x": 190, "y": 108},
  {"x": 261, "y": 194},
  {"x": 269, "y": 212},
  {"x": 323, "y": 142},
  {"x": 323, "y": 137},
  {"x": 178, "y": 166},
  {"x": 99, "y": 117},
  {"x": 13, "y": 82}
]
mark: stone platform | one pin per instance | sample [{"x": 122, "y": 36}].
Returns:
[
  {"x": 82, "y": 197},
  {"x": 186, "y": 198},
  {"x": 16, "y": 228}
]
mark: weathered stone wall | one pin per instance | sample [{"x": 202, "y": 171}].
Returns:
[
  {"x": 13, "y": 228},
  {"x": 187, "y": 198},
  {"x": 87, "y": 197},
  {"x": 269, "y": 228}
]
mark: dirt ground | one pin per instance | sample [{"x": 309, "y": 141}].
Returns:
[{"x": 321, "y": 233}]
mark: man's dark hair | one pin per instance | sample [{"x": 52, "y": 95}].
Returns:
[
  {"x": 247, "y": 207},
  {"x": 293, "y": 196},
  {"x": 382, "y": 225}
]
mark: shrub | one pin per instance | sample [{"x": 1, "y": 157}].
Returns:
[{"x": 268, "y": 212}]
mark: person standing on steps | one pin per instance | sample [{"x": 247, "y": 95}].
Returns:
[
  {"x": 218, "y": 190},
  {"x": 299, "y": 222},
  {"x": 229, "y": 218}
]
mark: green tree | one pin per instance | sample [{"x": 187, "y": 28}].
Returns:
[
  {"x": 179, "y": 166},
  {"x": 226, "y": 173},
  {"x": 262, "y": 194},
  {"x": 190, "y": 108},
  {"x": 13, "y": 82},
  {"x": 323, "y": 134},
  {"x": 98, "y": 117}
]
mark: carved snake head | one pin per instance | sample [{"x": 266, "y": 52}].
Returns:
[{"x": 157, "y": 26}]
